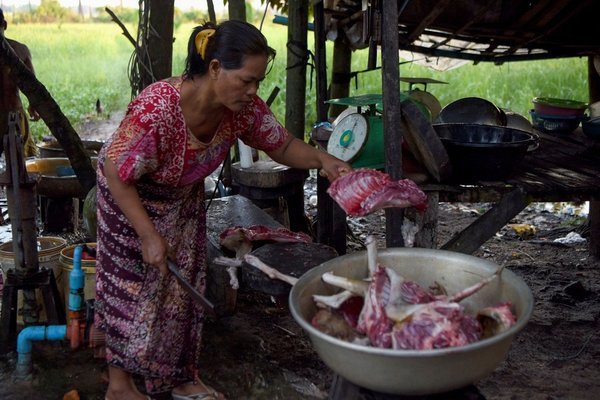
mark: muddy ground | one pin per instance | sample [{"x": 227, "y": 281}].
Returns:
[{"x": 261, "y": 353}]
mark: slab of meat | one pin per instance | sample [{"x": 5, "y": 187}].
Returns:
[
  {"x": 260, "y": 232},
  {"x": 373, "y": 320},
  {"x": 239, "y": 239},
  {"x": 365, "y": 190},
  {"x": 436, "y": 325}
]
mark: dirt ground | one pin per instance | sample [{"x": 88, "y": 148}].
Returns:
[{"x": 261, "y": 353}]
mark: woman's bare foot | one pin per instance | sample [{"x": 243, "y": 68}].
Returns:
[
  {"x": 121, "y": 386},
  {"x": 197, "y": 388}
]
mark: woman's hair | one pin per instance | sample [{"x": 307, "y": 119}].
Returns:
[{"x": 230, "y": 43}]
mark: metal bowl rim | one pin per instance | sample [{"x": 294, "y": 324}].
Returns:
[{"x": 320, "y": 269}]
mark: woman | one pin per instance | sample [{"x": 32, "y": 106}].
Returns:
[{"x": 150, "y": 204}]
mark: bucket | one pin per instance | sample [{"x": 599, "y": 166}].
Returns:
[
  {"x": 89, "y": 269},
  {"x": 49, "y": 248}
]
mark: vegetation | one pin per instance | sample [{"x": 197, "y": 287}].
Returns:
[{"x": 82, "y": 62}]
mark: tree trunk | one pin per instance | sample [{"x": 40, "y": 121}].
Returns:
[
  {"x": 160, "y": 38},
  {"x": 51, "y": 114},
  {"x": 295, "y": 99},
  {"x": 237, "y": 9},
  {"x": 340, "y": 75}
]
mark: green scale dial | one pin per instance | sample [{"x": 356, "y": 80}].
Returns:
[{"x": 348, "y": 137}]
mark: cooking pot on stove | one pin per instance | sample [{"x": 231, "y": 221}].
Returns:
[
  {"x": 484, "y": 152},
  {"x": 415, "y": 372}
]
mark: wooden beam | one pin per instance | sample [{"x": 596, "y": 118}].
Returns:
[
  {"x": 392, "y": 116},
  {"x": 320, "y": 61},
  {"x": 425, "y": 22},
  {"x": 594, "y": 215},
  {"x": 484, "y": 227},
  {"x": 331, "y": 219},
  {"x": 295, "y": 99}
]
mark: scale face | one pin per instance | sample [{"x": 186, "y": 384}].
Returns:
[{"x": 348, "y": 137}]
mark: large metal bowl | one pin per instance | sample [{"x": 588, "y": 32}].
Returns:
[
  {"x": 56, "y": 177},
  {"x": 415, "y": 372}
]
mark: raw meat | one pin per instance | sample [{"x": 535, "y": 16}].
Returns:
[
  {"x": 239, "y": 239},
  {"x": 399, "y": 313},
  {"x": 364, "y": 191},
  {"x": 496, "y": 319},
  {"x": 436, "y": 325}
]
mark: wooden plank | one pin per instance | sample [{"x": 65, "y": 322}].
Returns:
[
  {"x": 484, "y": 227},
  {"x": 424, "y": 142}
]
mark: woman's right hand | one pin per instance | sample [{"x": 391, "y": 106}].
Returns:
[{"x": 155, "y": 250}]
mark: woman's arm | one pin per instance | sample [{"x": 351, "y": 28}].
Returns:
[
  {"x": 154, "y": 246},
  {"x": 297, "y": 154}
]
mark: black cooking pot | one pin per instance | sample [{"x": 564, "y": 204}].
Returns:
[{"x": 484, "y": 152}]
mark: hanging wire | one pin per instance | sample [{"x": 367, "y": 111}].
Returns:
[{"x": 264, "y": 15}]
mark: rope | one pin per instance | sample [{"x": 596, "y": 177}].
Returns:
[{"x": 304, "y": 56}]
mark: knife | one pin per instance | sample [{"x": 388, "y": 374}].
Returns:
[{"x": 206, "y": 304}]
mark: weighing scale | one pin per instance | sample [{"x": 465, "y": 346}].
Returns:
[{"x": 357, "y": 135}]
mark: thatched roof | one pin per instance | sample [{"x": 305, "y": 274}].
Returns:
[{"x": 490, "y": 30}]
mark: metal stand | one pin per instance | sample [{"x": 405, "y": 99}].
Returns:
[
  {"x": 22, "y": 207},
  {"x": 341, "y": 389},
  {"x": 272, "y": 185}
]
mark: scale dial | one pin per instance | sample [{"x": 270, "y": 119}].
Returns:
[{"x": 348, "y": 137}]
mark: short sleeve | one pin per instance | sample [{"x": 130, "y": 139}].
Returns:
[
  {"x": 265, "y": 132},
  {"x": 135, "y": 145}
]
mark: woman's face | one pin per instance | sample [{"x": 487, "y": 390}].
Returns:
[{"x": 235, "y": 87}]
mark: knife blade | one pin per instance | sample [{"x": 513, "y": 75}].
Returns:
[{"x": 199, "y": 298}]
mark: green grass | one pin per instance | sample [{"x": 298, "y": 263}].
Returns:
[{"x": 79, "y": 63}]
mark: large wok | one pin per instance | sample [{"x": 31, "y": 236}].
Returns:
[{"x": 415, "y": 372}]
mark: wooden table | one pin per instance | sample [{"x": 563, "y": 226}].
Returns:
[{"x": 563, "y": 168}]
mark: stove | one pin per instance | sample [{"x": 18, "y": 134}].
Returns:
[{"x": 341, "y": 389}]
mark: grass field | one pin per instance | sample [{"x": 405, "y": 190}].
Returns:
[{"x": 79, "y": 63}]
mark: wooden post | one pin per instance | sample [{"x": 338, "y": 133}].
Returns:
[
  {"x": 237, "y": 9},
  {"x": 320, "y": 61},
  {"x": 160, "y": 38},
  {"x": 594, "y": 216},
  {"x": 295, "y": 100},
  {"x": 331, "y": 219},
  {"x": 392, "y": 117},
  {"x": 340, "y": 74}
]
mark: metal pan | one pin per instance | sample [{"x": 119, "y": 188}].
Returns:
[{"x": 415, "y": 372}]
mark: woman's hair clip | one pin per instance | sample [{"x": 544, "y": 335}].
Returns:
[{"x": 201, "y": 41}]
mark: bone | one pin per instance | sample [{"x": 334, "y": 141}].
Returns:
[
  {"x": 269, "y": 271},
  {"x": 232, "y": 265},
  {"x": 233, "y": 279},
  {"x": 409, "y": 231},
  {"x": 371, "y": 254},
  {"x": 355, "y": 286},
  {"x": 463, "y": 294},
  {"x": 228, "y": 262},
  {"x": 333, "y": 301}
]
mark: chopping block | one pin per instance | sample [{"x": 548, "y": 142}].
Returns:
[
  {"x": 291, "y": 258},
  {"x": 226, "y": 212},
  {"x": 275, "y": 188}
]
